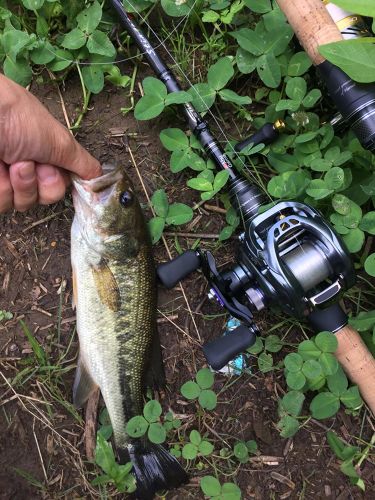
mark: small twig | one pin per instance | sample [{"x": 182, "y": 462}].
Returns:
[
  {"x": 172, "y": 317},
  {"x": 41, "y": 221},
  {"x": 40, "y": 454},
  {"x": 214, "y": 208},
  {"x": 90, "y": 425}
]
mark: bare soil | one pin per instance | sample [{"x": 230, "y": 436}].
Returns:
[{"x": 41, "y": 436}]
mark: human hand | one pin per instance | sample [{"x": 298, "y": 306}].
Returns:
[{"x": 36, "y": 152}]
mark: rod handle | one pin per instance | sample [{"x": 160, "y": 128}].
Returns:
[
  {"x": 358, "y": 363},
  {"x": 170, "y": 273},
  {"x": 312, "y": 24}
]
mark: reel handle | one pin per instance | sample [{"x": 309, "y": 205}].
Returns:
[
  {"x": 312, "y": 24},
  {"x": 222, "y": 350},
  {"x": 358, "y": 363},
  {"x": 170, "y": 273}
]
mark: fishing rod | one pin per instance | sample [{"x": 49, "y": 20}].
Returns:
[{"x": 289, "y": 257}]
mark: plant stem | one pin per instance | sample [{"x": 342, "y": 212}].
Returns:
[{"x": 86, "y": 99}]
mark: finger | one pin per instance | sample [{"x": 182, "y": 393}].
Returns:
[
  {"x": 52, "y": 183},
  {"x": 69, "y": 154},
  {"x": 25, "y": 186},
  {"x": 6, "y": 190}
]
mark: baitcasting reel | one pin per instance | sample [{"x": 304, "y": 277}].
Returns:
[{"x": 289, "y": 258}]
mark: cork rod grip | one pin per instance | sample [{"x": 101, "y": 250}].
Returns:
[
  {"x": 358, "y": 363},
  {"x": 312, "y": 24}
]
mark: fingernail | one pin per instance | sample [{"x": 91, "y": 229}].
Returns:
[
  {"x": 27, "y": 172},
  {"x": 47, "y": 173}
]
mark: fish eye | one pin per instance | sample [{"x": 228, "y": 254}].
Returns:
[{"x": 126, "y": 199}]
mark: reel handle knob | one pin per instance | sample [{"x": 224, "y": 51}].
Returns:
[
  {"x": 170, "y": 273},
  {"x": 222, "y": 350}
]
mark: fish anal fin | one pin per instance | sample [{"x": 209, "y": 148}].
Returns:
[
  {"x": 107, "y": 286},
  {"x": 83, "y": 385},
  {"x": 155, "y": 374}
]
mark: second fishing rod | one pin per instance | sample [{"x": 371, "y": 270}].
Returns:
[{"x": 289, "y": 257}]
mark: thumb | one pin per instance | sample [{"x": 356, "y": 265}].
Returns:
[{"x": 67, "y": 153}]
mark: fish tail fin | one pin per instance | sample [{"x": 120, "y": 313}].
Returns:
[{"x": 155, "y": 469}]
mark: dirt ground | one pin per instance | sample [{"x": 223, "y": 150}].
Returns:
[{"x": 41, "y": 435}]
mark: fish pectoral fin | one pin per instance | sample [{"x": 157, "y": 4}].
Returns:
[
  {"x": 107, "y": 286},
  {"x": 83, "y": 385}
]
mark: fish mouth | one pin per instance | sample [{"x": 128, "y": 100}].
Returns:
[{"x": 98, "y": 190}]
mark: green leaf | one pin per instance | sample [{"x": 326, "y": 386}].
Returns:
[
  {"x": 318, "y": 189},
  {"x": 190, "y": 390},
  {"x": 18, "y": 70},
  {"x": 156, "y": 433},
  {"x": 259, "y": 6},
  {"x": 265, "y": 362},
  {"x": 207, "y": 399},
  {"x": 230, "y": 96},
  {"x": 249, "y": 40},
  {"x": 156, "y": 227},
  {"x": 308, "y": 350},
  {"x": 104, "y": 456},
  {"x": 177, "y": 9},
  {"x": 357, "y": 60},
  {"x": 306, "y": 137},
  {"x": 210, "y": 486},
  {"x": 299, "y": 63},
  {"x": 174, "y": 139},
  {"x": 337, "y": 383},
  {"x": 293, "y": 362},
  {"x": 336, "y": 444},
  {"x": 370, "y": 265},
  {"x": 179, "y": 97},
  {"x": 295, "y": 380},
  {"x": 269, "y": 70},
  {"x": 63, "y": 59},
  {"x": 287, "y": 104},
  {"x": 273, "y": 343},
  {"x": 220, "y": 73},
  {"x": 326, "y": 342},
  {"x": 73, "y": 40},
  {"x": 292, "y": 402},
  {"x": 241, "y": 452},
  {"x": 99, "y": 43},
  {"x": 311, "y": 369},
  {"x": 288, "y": 426},
  {"x": 210, "y": 16},
  {"x": 89, "y": 19},
  {"x": 153, "y": 86},
  {"x": 348, "y": 469},
  {"x": 189, "y": 451},
  {"x": 13, "y": 42},
  {"x": 257, "y": 347},
  {"x": 282, "y": 162},
  {"x": 114, "y": 76},
  {"x": 226, "y": 233},
  {"x": 368, "y": 223},
  {"x": 43, "y": 53},
  {"x": 335, "y": 178},
  {"x": 311, "y": 98},
  {"x": 246, "y": 62},
  {"x": 33, "y": 4},
  {"x": 152, "y": 411},
  {"x": 354, "y": 240},
  {"x": 364, "y": 321},
  {"x": 329, "y": 363},
  {"x": 200, "y": 184},
  {"x": 195, "y": 437},
  {"x": 179, "y": 213},
  {"x": 351, "y": 398},
  {"x": 160, "y": 202},
  {"x": 205, "y": 448},
  {"x": 137, "y": 426},
  {"x": 221, "y": 178},
  {"x": 203, "y": 96},
  {"x": 296, "y": 88},
  {"x": 205, "y": 378},
  {"x": 362, "y": 7},
  {"x": 324, "y": 405},
  {"x": 148, "y": 106},
  {"x": 93, "y": 78}
]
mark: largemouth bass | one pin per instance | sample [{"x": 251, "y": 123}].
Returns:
[{"x": 114, "y": 292}]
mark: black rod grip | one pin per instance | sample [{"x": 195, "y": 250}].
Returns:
[
  {"x": 222, "y": 350},
  {"x": 266, "y": 135},
  {"x": 170, "y": 273},
  {"x": 331, "y": 319}
]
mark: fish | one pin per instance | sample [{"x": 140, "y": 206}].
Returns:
[{"x": 114, "y": 293}]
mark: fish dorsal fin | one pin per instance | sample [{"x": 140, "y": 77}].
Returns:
[
  {"x": 83, "y": 385},
  {"x": 106, "y": 286}
]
